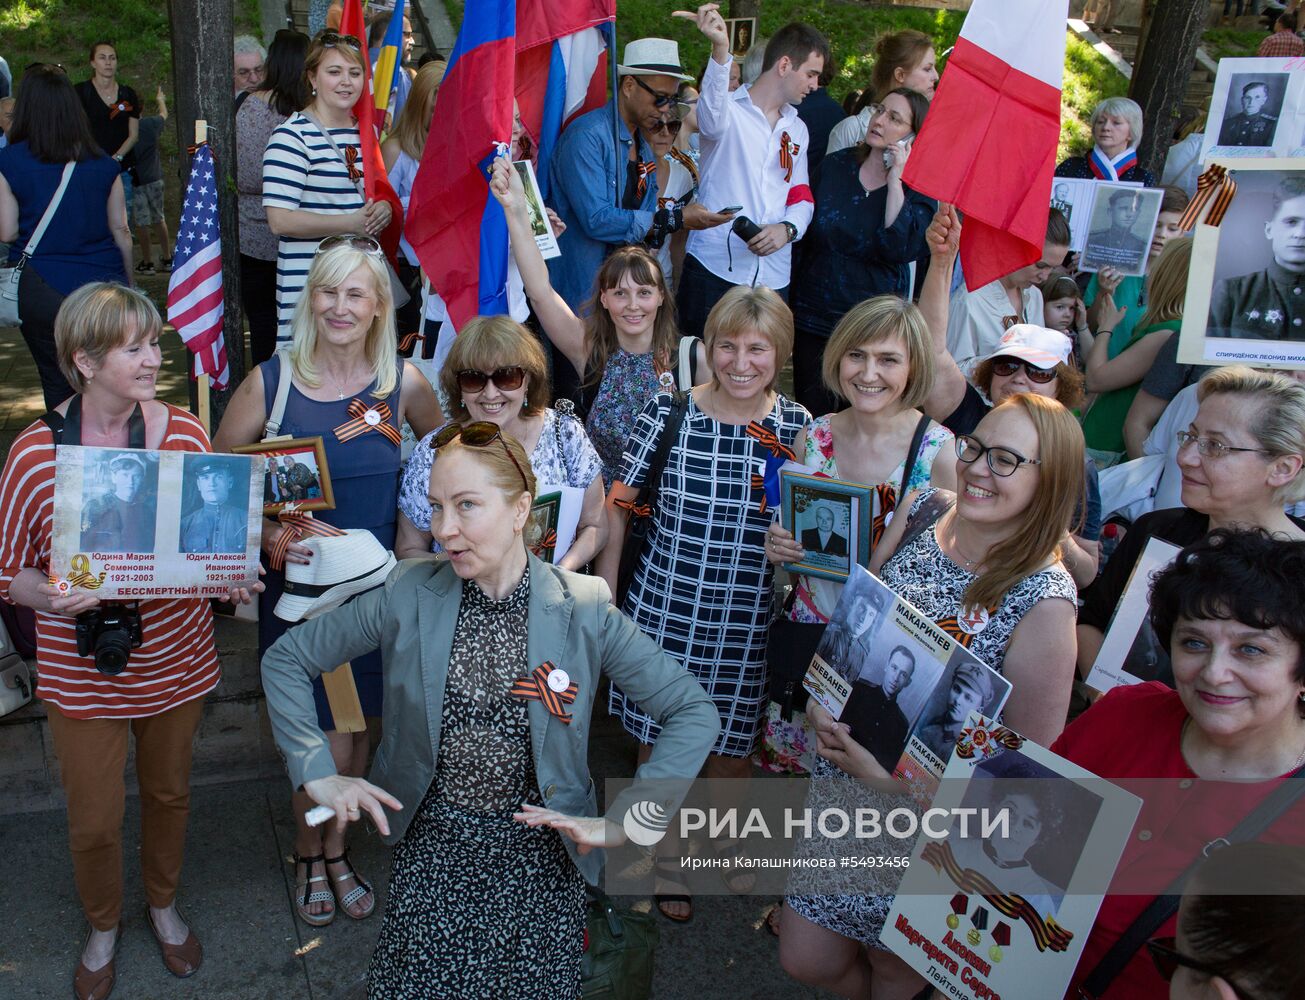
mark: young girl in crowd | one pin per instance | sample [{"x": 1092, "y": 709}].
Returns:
[{"x": 1063, "y": 310}]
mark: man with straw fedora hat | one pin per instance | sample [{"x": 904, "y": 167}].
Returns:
[{"x": 604, "y": 185}]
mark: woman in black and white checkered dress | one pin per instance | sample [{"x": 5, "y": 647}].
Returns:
[{"x": 703, "y": 585}]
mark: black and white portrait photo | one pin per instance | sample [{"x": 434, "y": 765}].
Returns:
[
  {"x": 967, "y": 686},
  {"x": 822, "y": 535},
  {"x": 824, "y": 525},
  {"x": 119, "y": 501},
  {"x": 1253, "y": 109},
  {"x": 889, "y": 693},
  {"x": 861, "y": 611},
  {"x": 215, "y": 504},
  {"x": 1123, "y": 222}
]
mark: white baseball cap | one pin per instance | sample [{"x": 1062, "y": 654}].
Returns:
[
  {"x": 341, "y": 567},
  {"x": 1034, "y": 344}
]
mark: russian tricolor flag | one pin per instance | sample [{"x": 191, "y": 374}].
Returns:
[
  {"x": 503, "y": 48},
  {"x": 989, "y": 143}
]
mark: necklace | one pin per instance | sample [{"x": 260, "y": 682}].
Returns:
[
  {"x": 339, "y": 384},
  {"x": 956, "y": 545}
]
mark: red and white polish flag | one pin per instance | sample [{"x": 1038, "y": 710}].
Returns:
[{"x": 989, "y": 143}]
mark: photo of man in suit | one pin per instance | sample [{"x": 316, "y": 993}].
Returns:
[
  {"x": 877, "y": 721},
  {"x": 822, "y": 537}
]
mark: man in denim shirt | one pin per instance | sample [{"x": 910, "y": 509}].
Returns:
[{"x": 586, "y": 176}]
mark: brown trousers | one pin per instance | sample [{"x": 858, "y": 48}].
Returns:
[{"x": 93, "y": 760}]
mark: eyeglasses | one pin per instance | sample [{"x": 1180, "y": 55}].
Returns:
[
  {"x": 660, "y": 100},
  {"x": 478, "y": 435},
  {"x": 893, "y": 116},
  {"x": 1002, "y": 461},
  {"x": 331, "y": 40},
  {"x": 1006, "y": 367},
  {"x": 1209, "y": 447},
  {"x": 506, "y": 379},
  {"x": 673, "y": 126},
  {"x": 363, "y": 244},
  {"x": 1167, "y": 959}
]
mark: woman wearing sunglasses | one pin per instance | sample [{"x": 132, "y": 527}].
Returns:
[
  {"x": 867, "y": 228},
  {"x": 493, "y": 664},
  {"x": 1029, "y": 359},
  {"x": 1228, "y": 612},
  {"x": 984, "y": 564},
  {"x": 497, "y": 372},
  {"x": 313, "y": 170},
  {"x": 626, "y": 345},
  {"x": 347, "y": 386},
  {"x": 677, "y": 186},
  {"x": 1241, "y": 461}
]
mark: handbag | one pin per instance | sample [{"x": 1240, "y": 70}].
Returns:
[
  {"x": 1165, "y": 905},
  {"x": 619, "y": 945},
  {"x": 11, "y": 276},
  {"x": 637, "y": 526},
  {"x": 15, "y": 678}
]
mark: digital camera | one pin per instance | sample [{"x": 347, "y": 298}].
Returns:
[{"x": 109, "y": 633}]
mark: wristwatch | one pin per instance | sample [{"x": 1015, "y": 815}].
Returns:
[
  {"x": 118, "y": 157},
  {"x": 792, "y": 230}
]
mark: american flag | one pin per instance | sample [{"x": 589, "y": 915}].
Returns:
[{"x": 195, "y": 288}]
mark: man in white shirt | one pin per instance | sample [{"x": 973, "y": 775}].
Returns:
[
  {"x": 977, "y": 319},
  {"x": 754, "y": 155}
]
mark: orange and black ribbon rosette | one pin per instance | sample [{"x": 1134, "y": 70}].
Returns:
[
  {"x": 366, "y": 418},
  {"x": 787, "y": 150},
  {"x": 296, "y": 527},
  {"x": 535, "y": 687}
]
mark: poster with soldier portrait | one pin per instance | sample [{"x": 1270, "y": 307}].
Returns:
[
  {"x": 1255, "y": 110},
  {"x": 1121, "y": 225},
  {"x": 130, "y": 523}
]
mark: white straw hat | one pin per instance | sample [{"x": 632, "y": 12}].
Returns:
[
  {"x": 341, "y": 566},
  {"x": 1034, "y": 344},
  {"x": 652, "y": 57}
]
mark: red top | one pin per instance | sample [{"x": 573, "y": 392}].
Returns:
[
  {"x": 1133, "y": 733},
  {"x": 175, "y": 663}
]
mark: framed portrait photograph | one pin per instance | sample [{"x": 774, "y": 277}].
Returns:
[
  {"x": 541, "y": 526},
  {"x": 1130, "y": 652},
  {"x": 1255, "y": 109},
  {"x": 1072, "y": 197},
  {"x": 830, "y": 519},
  {"x": 742, "y": 32},
  {"x": 542, "y": 229},
  {"x": 297, "y": 477},
  {"x": 1246, "y": 288},
  {"x": 1122, "y": 223}
]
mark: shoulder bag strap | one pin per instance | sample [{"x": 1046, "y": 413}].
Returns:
[
  {"x": 913, "y": 451},
  {"x": 1165, "y": 905},
  {"x": 50, "y": 209},
  {"x": 272, "y": 427},
  {"x": 671, "y": 431},
  {"x": 563, "y": 409},
  {"x": 686, "y": 372},
  {"x": 934, "y": 507},
  {"x": 330, "y": 140}
]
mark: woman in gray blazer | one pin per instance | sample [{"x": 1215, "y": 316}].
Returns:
[{"x": 492, "y": 663}]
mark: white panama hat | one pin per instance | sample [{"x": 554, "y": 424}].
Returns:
[
  {"x": 1034, "y": 344},
  {"x": 652, "y": 57},
  {"x": 342, "y": 566}
]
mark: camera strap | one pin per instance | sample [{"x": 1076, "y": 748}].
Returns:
[{"x": 67, "y": 428}]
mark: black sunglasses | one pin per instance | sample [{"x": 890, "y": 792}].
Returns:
[
  {"x": 477, "y": 435},
  {"x": 672, "y": 126},
  {"x": 1006, "y": 367},
  {"x": 660, "y": 100},
  {"x": 1167, "y": 959},
  {"x": 331, "y": 39},
  {"x": 1002, "y": 461},
  {"x": 506, "y": 379}
]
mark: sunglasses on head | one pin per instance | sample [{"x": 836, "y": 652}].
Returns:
[
  {"x": 672, "y": 126},
  {"x": 1006, "y": 367},
  {"x": 331, "y": 40},
  {"x": 363, "y": 244},
  {"x": 660, "y": 100},
  {"x": 506, "y": 379},
  {"x": 477, "y": 435}
]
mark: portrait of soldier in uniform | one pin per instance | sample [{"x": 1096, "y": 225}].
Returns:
[
  {"x": 122, "y": 520},
  {"x": 1124, "y": 223},
  {"x": 221, "y": 521},
  {"x": 1269, "y": 304},
  {"x": 1257, "y": 120}
]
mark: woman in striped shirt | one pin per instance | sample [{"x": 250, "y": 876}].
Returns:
[
  {"x": 313, "y": 171},
  {"x": 107, "y": 339}
]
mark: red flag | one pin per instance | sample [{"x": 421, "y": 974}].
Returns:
[
  {"x": 376, "y": 182},
  {"x": 989, "y": 143}
]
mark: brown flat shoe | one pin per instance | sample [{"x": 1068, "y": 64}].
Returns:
[
  {"x": 97, "y": 985},
  {"x": 182, "y": 960}
]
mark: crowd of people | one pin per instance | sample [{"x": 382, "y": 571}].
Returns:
[{"x": 739, "y": 220}]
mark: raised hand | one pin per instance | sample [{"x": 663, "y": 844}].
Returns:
[
  {"x": 944, "y": 232},
  {"x": 711, "y": 24}
]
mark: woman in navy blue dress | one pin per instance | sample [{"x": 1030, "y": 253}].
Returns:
[{"x": 342, "y": 358}]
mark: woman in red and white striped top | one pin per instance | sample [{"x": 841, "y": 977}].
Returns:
[{"x": 106, "y": 336}]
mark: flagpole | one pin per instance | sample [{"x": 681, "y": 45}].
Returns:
[
  {"x": 616, "y": 108},
  {"x": 204, "y": 404}
]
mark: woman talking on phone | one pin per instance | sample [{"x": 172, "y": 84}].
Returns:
[{"x": 867, "y": 227}]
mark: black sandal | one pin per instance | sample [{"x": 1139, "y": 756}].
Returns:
[
  {"x": 729, "y": 854},
  {"x": 667, "y": 869},
  {"x": 361, "y": 888},
  {"x": 310, "y": 895}
]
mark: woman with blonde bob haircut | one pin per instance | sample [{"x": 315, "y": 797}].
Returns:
[
  {"x": 343, "y": 382},
  {"x": 983, "y": 564},
  {"x": 880, "y": 359},
  {"x": 702, "y": 586},
  {"x": 496, "y": 372}
]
